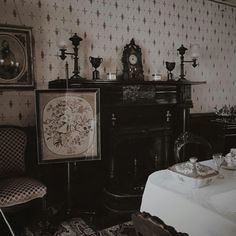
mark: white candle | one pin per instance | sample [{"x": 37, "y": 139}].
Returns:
[
  {"x": 195, "y": 51},
  {"x": 1, "y": 61},
  {"x": 62, "y": 45}
]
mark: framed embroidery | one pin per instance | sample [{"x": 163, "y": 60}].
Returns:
[{"x": 68, "y": 125}]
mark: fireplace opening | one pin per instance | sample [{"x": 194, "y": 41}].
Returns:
[{"x": 137, "y": 153}]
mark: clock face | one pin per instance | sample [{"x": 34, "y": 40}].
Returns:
[
  {"x": 133, "y": 59},
  {"x": 132, "y": 62}
]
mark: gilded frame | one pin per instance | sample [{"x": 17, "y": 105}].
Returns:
[{"x": 16, "y": 57}]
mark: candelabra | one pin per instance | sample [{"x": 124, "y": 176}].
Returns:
[
  {"x": 195, "y": 55},
  {"x": 75, "y": 39}
]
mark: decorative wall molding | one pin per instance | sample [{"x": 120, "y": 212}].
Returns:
[{"x": 231, "y": 3}]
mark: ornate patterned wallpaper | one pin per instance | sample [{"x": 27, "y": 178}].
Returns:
[{"x": 159, "y": 27}]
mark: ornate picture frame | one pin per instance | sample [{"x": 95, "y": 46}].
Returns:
[
  {"x": 16, "y": 57},
  {"x": 68, "y": 125}
]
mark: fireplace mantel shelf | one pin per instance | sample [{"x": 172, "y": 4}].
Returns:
[{"x": 61, "y": 82}]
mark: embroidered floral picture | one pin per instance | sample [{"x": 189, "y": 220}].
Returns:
[{"x": 68, "y": 125}]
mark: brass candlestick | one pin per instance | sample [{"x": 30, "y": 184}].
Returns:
[
  {"x": 75, "y": 39},
  {"x": 182, "y": 51}
]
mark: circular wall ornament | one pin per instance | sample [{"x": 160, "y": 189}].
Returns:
[
  {"x": 12, "y": 58},
  {"x": 16, "y": 57}
]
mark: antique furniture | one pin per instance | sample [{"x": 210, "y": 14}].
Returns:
[
  {"x": 139, "y": 122},
  {"x": 6, "y": 228},
  {"x": 68, "y": 133},
  {"x": 206, "y": 211},
  {"x": 16, "y": 189},
  {"x": 223, "y": 135},
  {"x": 219, "y": 133},
  {"x": 147, "y": 225}
]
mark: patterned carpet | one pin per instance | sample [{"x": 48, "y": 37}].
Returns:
[
  {"x": 125, "y": 229},
  {"x": 76, "y": 227}
]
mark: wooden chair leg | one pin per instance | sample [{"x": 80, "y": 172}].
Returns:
[
  {"x": 44, "y": 213},
  {"x": 44, "y": 203}
]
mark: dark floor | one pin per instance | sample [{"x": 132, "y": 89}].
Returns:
[
  {"x": 97, "y": 219},
  {"x": 102, "y": 220}
]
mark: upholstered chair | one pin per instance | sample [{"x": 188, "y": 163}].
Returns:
[{"x": 16, "y": 189}]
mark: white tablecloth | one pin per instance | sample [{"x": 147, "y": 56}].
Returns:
[{"x": 207, "y": 211}]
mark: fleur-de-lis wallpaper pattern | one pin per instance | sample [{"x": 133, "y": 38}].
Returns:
[{"x": 159, "y": 27}]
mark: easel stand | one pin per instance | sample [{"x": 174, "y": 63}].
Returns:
[
  {"x": 69, "y": 212},
  {"x": 68, "y": 203}
]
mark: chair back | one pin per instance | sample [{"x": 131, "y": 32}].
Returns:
[
  {"x": 189, "y": 145},
  {"x": 148, "y": 225},
  {"x": 13, "y": 141}
]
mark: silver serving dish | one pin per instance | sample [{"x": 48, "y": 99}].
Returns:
[{"x": 193, "y": 174}]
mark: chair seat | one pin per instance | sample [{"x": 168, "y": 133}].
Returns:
[{"x": 14, "y": 191}]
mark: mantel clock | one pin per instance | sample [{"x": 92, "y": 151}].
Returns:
[{"x": 132, "y": 62}]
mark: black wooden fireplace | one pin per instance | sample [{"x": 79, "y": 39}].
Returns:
[{"x": 139, "y": 122}]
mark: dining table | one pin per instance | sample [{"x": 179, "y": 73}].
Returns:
[{"x": 205, "y": 211}]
